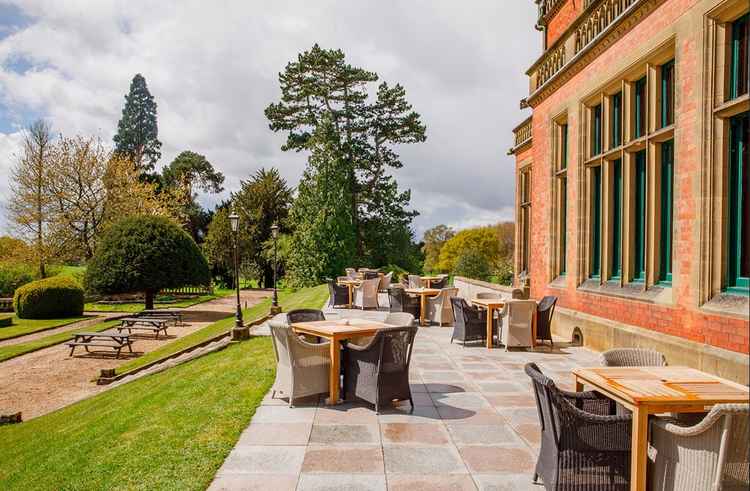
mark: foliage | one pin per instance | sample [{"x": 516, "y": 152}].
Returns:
[
  {"x": 145, "y": 254},
  {"x": 186, "y": 172},
  {"x": 503, "y": 270},
  {"x": 434, "y": 239},
  {"x": 137, "y": 136},
  {"x": 278, "y": 252},
  {"x": 322, "y": 96},
  {"x": 472, "y": 263},
  {"x": 14, "y": 274},
  {"x": 262, "y": 200},
  {"x": 480, "y": 239},
  {"x": 13, "y": 249},
  {"x": 59, "y": 296},
  {"x": 398, "y": 272}
]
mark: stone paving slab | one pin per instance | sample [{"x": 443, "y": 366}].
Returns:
[{"x": 474, "y": 426}]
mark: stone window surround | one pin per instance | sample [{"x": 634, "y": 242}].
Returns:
[
  {"x": 558, "y": 180},
  {"x": 523, "y": 216}
]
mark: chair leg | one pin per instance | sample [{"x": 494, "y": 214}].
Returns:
[
  {"x": 411, "y": 402},
  {"x": 536, "y": 478}
]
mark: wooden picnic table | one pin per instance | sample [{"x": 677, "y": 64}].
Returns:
[
  {"x": 654, "y": 390},
  {"x": 423, "y": 294},
  {"x": 350, "y": 284},
  {"x": 176, "y": 315},
  {"x": 335, "y": 332},
  {"x": 153, "y": 324},
  {"x": 105, "y": 339}
]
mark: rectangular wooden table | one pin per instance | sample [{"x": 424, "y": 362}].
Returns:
[
  {"x": 423, "y": 294},
  {"x": 427, "y": 280},
  {"x": 337, "y": 331},
  {"x": 654, "y": 390},
  {"x": 350, "y": 284}
]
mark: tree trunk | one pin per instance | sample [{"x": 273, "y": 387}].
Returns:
[{"x": 149, "y": 299}]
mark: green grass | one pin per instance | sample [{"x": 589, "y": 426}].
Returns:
[
  {"x": 138, "y": 306},
  {"x": 22, "y": 327},
  {"x": 289, "y": 300},
  {"x": 170, "y": 430},
  {"x": 11, "y": 351},
  {"x": 76, "y": 271}
]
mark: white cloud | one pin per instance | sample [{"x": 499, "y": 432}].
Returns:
[{"x": 213, "y": 69}]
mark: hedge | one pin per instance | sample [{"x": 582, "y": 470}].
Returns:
[
  {"x": 59, "y": 296},
  {"x": 6, "y": 321}
]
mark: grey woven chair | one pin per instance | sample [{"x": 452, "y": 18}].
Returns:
[
  {"x": 711, "y": 455},
  {"x": 518, "y": 294},
  {"x": 337, "y": 294},
  {"x": 400, "y": 301},
  {"x": 379, "y": 372},
  {"x": 305, "y": 315},
  {"x": 633, "y": 357},
  {"x": 415, "y": 281},
  {"x": 488, "y": 295},
  {"x": 302, "y": 368},
  {"x": 385, "y": 282},
  {"x": 399, "y": 319},
  {"x": 518, "y": 318},
  {"x": 439, "y": 307},
  {"x": 469, "y": 322},
  {"x": 440, "y": 284},
  {"x": 584, "y": 446},
  {"x": 544, "y": 319}
]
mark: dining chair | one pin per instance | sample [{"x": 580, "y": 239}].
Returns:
[
  {"x": 517, "y": 317},
  {"x": 439, "y": 307},
  {"x": 544, "y": 318},
  {"x": 469, "y": 323},
  {"x": 399, "y": 319},
  {"x": 400, "y": 301},
  {"x": 415, "y": 281},
  {"x": 366, "y": 294}
]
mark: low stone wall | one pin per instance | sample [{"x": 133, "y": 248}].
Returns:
[
  {"x": 469, "y": 287},
  {"x": 601, "y": 334}
]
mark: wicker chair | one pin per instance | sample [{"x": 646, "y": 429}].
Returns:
[
  {"x": 301, "y": 367},
  {"x": 400, "y": 301},
  {"x": 488, "y": 295},
  {"x": 519, "y": 315},
  {"x": 415, "y": 281},
  {"x": 351, "y": 273},
  {"x": 337, "y": 294},
  {"x": 368, "y": 275},
  {"x": 439, "y": 307},
  {"x": 399, "y": 319},
  {"x": 379, "y": 371},
  {"x": 304, "y": 315},
  {"x": 470, "y": 322},
  {"x": 633, "y": 357},
  {"x": 711, "y": 455},
  {"x": 440, "y": 284},
  {"x": 366, "y": 294},
  {"x": 518, "y": 294},
  {"x": 544, "y": 319},
  {"x": 584, "y": 446},
  {"x": 385, "y": 282}
]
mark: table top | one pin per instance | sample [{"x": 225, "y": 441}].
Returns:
[
  {"x": 664, "y": 385},
  {"x": 350, "y": 282},
  {"x": 101, "y": 335},
  {"x": 330, "y": 328},
  {"x": 429, "y": 278},
  {"x": 422, "y": 291},
  {"x": 489, "y": 302}
]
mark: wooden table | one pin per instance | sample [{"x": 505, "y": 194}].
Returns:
[
  {"x": 115, "y": 341},
  {"x": 427, "y": 280},
  {"x": 335, "y": 332},
  {"x": 423, "y": 294},
  {"x": 491, "y": 304},
  {"x": 350, "y": 284},
  {"x": 653, "y": 390}
]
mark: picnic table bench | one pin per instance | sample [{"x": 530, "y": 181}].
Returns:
[
  {"x": 175, "y": 315},
  {"x": 114, "y": 340},
  {"x": 153, "y": 324}
]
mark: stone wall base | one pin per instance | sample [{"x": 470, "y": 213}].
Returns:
[{"x": 602, "y": 334}]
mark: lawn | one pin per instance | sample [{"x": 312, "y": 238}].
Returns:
[
  {"x": 21, "y": 327},
  {"x": 170, "y": 430},
  {"x": 13, "y": 350},
  {"x": 138, "y": 306},
  {"x": 289, "y": 300}
]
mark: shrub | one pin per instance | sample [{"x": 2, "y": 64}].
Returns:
[
  {"x": 482, "y": 240},
  {"x": 6, "y": 320},
  {"x": 59, "y": 296},
  {"x": 504, "y": 271},
  {"x": 398, "y": 272},
  {"x": 14, "y": 275},
  {"x": 472, "y": 264}
]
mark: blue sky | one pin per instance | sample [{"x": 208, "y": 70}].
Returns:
[{"x": 213, "y": 71}]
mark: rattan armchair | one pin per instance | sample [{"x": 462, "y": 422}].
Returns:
[
  {"x": 633, "y": 357},
  {"x": 305, "y": 315},
  {"x": 400, "y": 301},
  {"x": 544, "y": 319},
  {"x": 379, "y": 371},
  {"x": 366, "y": 294},
  {"x": 385, "y": 282},
  {"x": 415, "y": 281},
  {"x": 517, "y": 316},
  {"x": 302, "y": 368},
  {"x": 439, "y": 307},
  {"x": 337, "y": 294},
  {"x": 469, "y": 323},
  {"x": 399, "y": 319},
  {"x": 711, "y": 455},
  {"x": 584, "y": 447}
]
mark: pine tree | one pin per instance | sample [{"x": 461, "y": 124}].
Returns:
[{"x": 137, "y": 131}]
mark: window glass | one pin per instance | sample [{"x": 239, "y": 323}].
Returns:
[
  {"x": 738, "y": 63},
  {"x": 667, "y": 186}
]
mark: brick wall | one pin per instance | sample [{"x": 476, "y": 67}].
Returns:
[
  {"x": 683, "y": 20},
  {"x": 562, "y": 19}
]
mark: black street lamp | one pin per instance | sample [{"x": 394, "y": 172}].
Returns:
[
  {"x": 239, "y": 331},
  {"x": 275, "y": 309}
]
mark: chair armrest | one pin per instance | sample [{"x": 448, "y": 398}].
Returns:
[
  {"x": 590, "y": 402},
  {"x": 672, "y": 427}
]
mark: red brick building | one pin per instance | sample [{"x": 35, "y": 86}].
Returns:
[{"x": 633, "y": 183}]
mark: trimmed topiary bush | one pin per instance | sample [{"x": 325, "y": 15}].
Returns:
[
  {"x": 145, "y": 254},
  {"x": 59, "y": 296},
  {"x": 6, "y": 321}
]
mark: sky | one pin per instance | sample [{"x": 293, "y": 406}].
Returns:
[{"x": 213, "y": 70}]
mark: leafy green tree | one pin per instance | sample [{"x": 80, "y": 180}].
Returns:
[
  {"x": 434, "y": 239},
  {"x": 473, "y": 263},
  {"x": 323, "y": 238},
  {"x": 145, "y": 254},
  {"x": 365, "y": 129},
  {"x": 262, "y": 200},
  {"x": 480, "y": 239},
  {"x": 186, "y": 173},
  {"x": 137, "y": 132},
  {"x": 218, "y": 246}
]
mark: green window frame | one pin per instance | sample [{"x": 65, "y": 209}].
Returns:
[
  {"x": 564, "y": 146},
  {"x": 563, "y": 224},
  {"x": 738, "y": 63},
  {"x": 596, "y": 221},
  {"x": 616, "y": 136},
  {"x": 667, "y": 93},
  {"x": 666, "y": 218},
  {"x": 596, "y": 130},
  {"x": 640, "y": 108},
  {"x": 738, "y": 247},
  {"x": 639, "y": 252},
  {"x": 616, "y": 219}
]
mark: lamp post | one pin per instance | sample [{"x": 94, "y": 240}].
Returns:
[
  {"x": 275, "y": 309},
  {"x": 239, "y": 331}
]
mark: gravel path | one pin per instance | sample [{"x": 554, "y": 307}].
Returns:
[{"x": 45, "y": 380}]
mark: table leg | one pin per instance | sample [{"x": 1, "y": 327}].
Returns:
[
  {"x": 489, "y": 327},
  {"x": 351, "y": 290},
  {"x": 533, "y": 329},
  {"x": 422, "y": 309},
  {"x": 578, "y": 384},
  {"x": 333, "y": 376},
  {"x": 639, "y": 449}
]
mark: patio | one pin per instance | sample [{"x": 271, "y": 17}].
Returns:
[{"x": 475, "y": 426}]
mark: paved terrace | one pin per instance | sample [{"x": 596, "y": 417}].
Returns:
[{"x": 475, "y": 426}]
